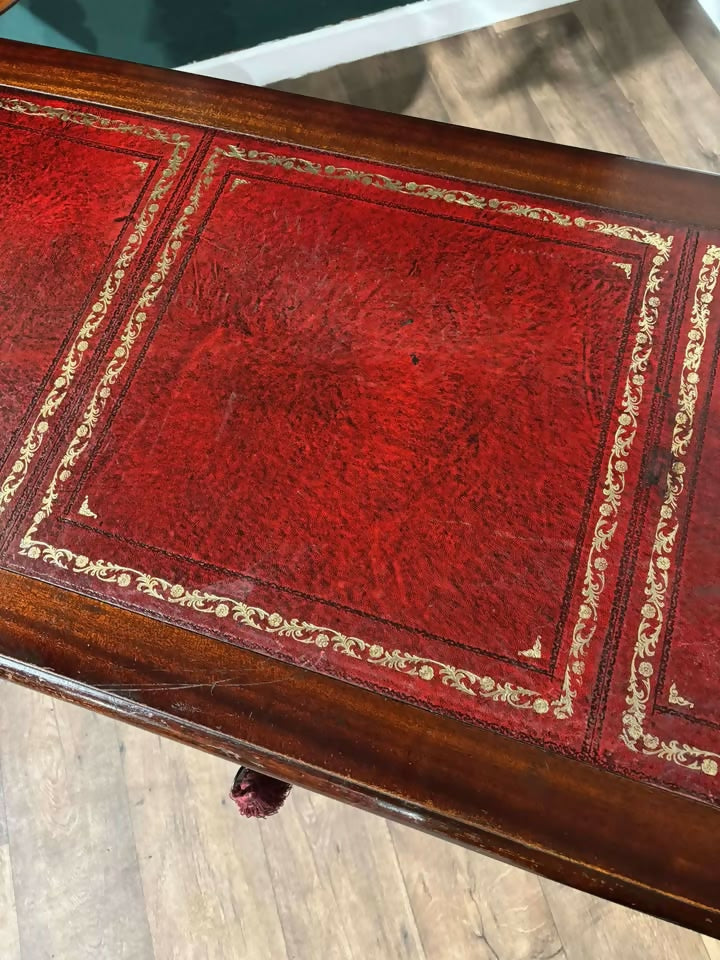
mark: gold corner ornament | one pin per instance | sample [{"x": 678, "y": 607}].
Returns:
[
  {"x": 675, "y": 698},
  {"x": 534, "y": 652},
  {"x": 96, "y": 315},
  {"x": 642, "y": 668},
  {"x": 459, "y": 679},
  {"x": 85, "y": 511}
]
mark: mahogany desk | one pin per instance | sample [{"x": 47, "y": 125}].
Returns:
[{"x": 377, "y": 454}]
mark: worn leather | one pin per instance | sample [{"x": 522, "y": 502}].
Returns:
[{"x": 406, "y": 431}]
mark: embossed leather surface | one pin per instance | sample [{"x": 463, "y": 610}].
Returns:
[
  {"x": 436, "y": 438},
  {"x": 81, "y": 192}
]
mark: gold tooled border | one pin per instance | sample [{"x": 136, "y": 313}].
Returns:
[
  {"x": 634, "y": 734},
  {"x": 99, "y": 310},
  {"x": 427, "y": 669}
]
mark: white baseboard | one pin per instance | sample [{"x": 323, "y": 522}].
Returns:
[
  {"x": 712, "y": 9},
  {"x": 393, "y": 29}
]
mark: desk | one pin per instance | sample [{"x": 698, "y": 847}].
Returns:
[{"x": 374, "y": 453}]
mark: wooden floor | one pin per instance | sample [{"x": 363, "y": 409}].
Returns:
[{"x": 115, "y": 844}]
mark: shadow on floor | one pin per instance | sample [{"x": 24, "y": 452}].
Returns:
[
  {"x": 619, "y": 39},
  {"x": 389, "y": 82}
]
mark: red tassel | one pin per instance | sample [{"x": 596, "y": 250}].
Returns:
[{"x": 256, "y": 794}]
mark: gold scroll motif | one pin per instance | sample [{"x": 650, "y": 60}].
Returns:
[
  {"x": 99, "y": 310},
  {"x": 642, "y": 668},
  {"x": 430, "y": 670}
]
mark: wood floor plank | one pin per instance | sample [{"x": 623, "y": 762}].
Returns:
[
  {"x": 573, "y": 89},
  {"x": 325, "y": 85},
  {"x": 355, "y": 854},
  {"x": 713, "y": 947},
  {"x": 466, "y": 72},
  {"x": 397, "y": 82},
  {"x": 208, "y": 891},
  {"x": 672, "y": 97},
  {"x": 312, "y": 915},
  {"x": 9, "y": 934},
  {"x": 591, "y": 927},
  {"x": 697, "y": 33},
  {"x": 77, "y": 887},
  {"x": 539, "y": 16},
  {"x": 495, "y": 912},
  {"x": 3, "y": 814}
]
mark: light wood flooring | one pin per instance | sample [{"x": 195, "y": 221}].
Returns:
[{"x": 116, "y": 844}]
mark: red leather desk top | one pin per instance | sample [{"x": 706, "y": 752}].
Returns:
[{"x": 436, "y": 438}]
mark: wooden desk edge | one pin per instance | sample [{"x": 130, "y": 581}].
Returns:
[
  {"x": 571, "y": 173},
  {"x": 649, "y": 848}
]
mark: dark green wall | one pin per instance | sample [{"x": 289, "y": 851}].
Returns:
[{"x": 173, "y": 32}]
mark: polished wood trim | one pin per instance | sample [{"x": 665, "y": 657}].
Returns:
[
  {"x": 551, "y": 169},
  {"x": 642, "y": 846}
]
